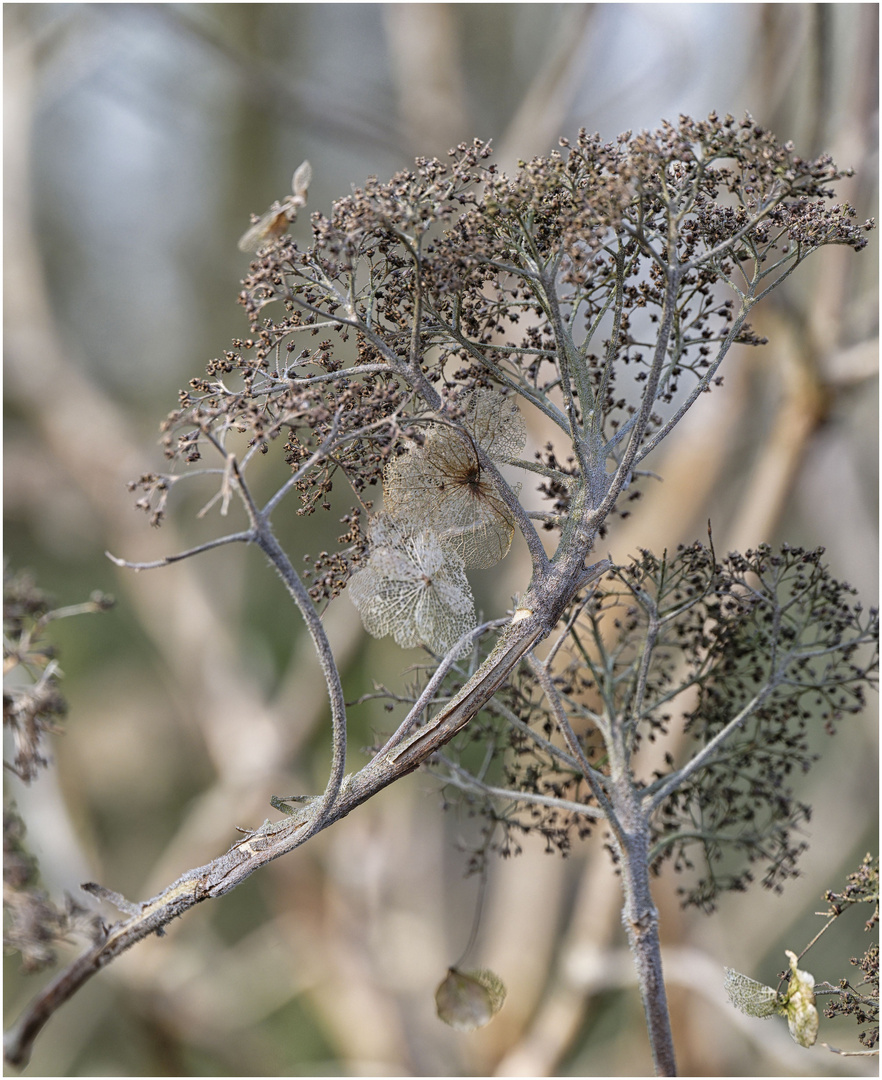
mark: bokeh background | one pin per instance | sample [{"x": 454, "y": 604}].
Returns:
[{"x": 138, "y": 138}]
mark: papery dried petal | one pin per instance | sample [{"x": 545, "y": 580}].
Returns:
[
  {"x": 413, "y": 587},
  {"x": 441, "y": 484},
  {"x": 799, "y": 1004}
]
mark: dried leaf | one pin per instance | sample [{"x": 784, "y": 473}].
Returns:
[
  {"x": 749, "y": 996},
  {"x": 277, "y": 220}
]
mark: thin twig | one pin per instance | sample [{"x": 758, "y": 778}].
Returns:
[
  {"x": 432, "y": 685},
  {"x": 232, "y": 538},
  {"x": 594, "y": 778}
]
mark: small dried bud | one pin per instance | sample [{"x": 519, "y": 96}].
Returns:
[{"x": 301, "y": 180}]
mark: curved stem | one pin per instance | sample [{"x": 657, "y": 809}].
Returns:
[
  {"x": 268, "y": 544},
  {"x": 272, "y": 840}
]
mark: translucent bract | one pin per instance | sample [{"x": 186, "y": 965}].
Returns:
[
  {"x": 413, "y": 587},
  {"x": 442, "y": 486},
  {"x": 749, "y": 996}
]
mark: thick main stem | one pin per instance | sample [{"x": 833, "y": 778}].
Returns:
[{"x": 640, "y": 919}]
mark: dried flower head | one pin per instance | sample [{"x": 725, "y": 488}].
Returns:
[
  {"x": 797, "y": 1003},
  {"x": 413, "y": 587},
  {"x": 442, "y": 484}
]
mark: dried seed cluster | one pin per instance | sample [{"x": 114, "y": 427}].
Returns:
[
  {"x": 548, "y": 285},
  {"x": 603, "y": 286},
  {"x": 655, "y": 634},
  {"x": 33, "y": 709}
]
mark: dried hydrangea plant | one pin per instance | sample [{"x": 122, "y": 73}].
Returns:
[{"x": 599, "y": 290}]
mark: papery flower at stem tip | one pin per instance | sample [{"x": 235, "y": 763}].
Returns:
[
  {"x": 413, "y": 587},
  {"x": 442, "y": 484}
]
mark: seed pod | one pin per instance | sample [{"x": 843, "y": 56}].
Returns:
[{"x": 468, "y": 1000}]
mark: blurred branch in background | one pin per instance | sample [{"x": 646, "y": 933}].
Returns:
[
  {"x": 287, "y": 98},
  {"x": 238, "y": 96}
]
